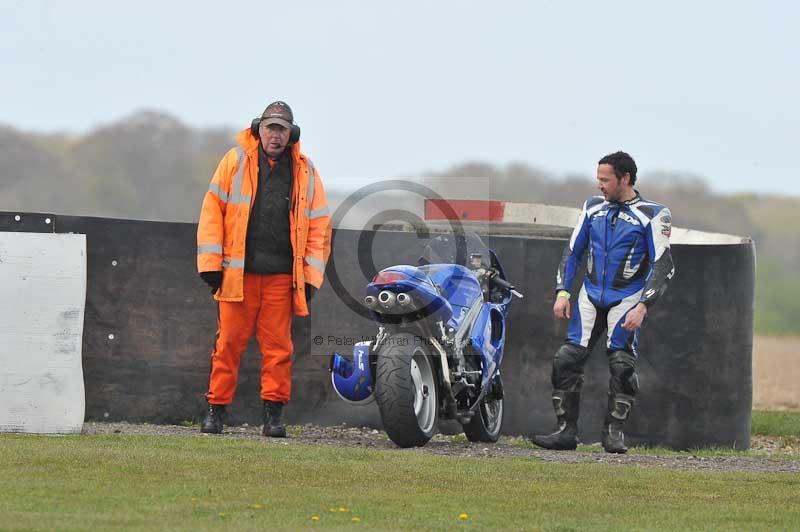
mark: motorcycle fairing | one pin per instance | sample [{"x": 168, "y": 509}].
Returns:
[
  {"x": 458, "y": 286},
  {"x": 419, "y": 286},
  {"x": 487, "y": 341}
]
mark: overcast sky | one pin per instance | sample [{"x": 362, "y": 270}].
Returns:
[{"x": 383, "y": 89}]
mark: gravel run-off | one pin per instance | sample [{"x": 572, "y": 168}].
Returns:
[{"x": 759, "y": 460}]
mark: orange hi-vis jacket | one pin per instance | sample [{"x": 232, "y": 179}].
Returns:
[{"x": 222, "y": 229}]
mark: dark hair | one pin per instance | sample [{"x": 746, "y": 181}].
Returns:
[{"x": 622, "y": 163}]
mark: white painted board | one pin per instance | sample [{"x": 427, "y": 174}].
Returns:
[{"x": 42, "y": 300}]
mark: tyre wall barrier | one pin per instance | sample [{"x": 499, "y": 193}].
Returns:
[{"x": 150, "y": 325}]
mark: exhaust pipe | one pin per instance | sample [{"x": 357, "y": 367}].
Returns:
[
  {"x": 387, "y": 299},
  {"x": 404, "y": 300},
  {"x": 370, "y": 302}
]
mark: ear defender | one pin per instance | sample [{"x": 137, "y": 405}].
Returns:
[{"x": 294, "y": 136}]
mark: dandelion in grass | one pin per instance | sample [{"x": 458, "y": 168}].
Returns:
[
  {"x": 462, "y": 516},
  {"x": 342, "y": 509},
  {"x": 315, "y": 518},
  {"x": 356, "y": 519}
]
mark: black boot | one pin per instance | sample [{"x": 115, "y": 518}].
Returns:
[
  {"x": 273, "y": 426},
  {"x": 567, "y": 408},
  {"x": 619, "y": 408},
  {"x": 212, "y": 422}
]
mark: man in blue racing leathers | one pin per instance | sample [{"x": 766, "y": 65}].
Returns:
[{"x": 628, "y": 267}]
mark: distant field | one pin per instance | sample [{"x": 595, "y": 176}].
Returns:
[{"x": 776, "y": 373}]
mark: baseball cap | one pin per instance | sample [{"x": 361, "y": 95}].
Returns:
[{"x": 278, "y": 113}]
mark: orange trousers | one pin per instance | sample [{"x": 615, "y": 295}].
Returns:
[{"x": 267, "y": 309}]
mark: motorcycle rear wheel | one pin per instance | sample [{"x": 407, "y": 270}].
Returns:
[{"x": 406, "y": 390}]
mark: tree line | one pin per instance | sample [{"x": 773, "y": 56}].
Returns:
[{"x": 151, "y": 166}]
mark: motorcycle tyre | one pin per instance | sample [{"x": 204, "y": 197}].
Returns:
[
  {"x": 477, "y": 429},
  {"x": 395, "y": 390}
]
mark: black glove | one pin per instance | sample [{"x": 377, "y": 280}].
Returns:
[
  {"x": 212, "y": 279},
  {"x": 310, "y": 291}
]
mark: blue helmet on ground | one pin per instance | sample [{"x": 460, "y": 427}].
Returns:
[{"x": 352, "y": 379}]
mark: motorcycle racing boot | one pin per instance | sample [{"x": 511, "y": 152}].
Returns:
[
  {"x": 273, "y": 426},
  {"x": 213, "y": 420},
  {"x": 619, "y": 408},
  {"x": 567, "y": 408}
]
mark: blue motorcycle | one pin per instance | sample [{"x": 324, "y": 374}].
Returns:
[{"x": 439, "y": 345}]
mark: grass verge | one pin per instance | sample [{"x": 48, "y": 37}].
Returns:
[
  {"x": 205, "y": 483},
  {"x": 776, "y": 423}
]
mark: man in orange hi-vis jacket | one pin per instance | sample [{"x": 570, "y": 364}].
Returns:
[{"x": 262, "y": 243}]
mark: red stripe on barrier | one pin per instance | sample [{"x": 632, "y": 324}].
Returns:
[{"x": 477, "y": 210}]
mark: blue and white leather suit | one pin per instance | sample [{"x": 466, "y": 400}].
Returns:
[{"x": 629, "y": 262}]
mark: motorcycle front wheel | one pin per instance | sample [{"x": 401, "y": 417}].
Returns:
[
  {"x": 406, "y": 390},
  {"x": 486, "y": 422}
]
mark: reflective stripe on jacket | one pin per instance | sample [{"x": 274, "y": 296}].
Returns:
[{"x": 222, "y": 228}]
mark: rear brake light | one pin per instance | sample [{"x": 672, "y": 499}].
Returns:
[{"x": 389, "y": 277}]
